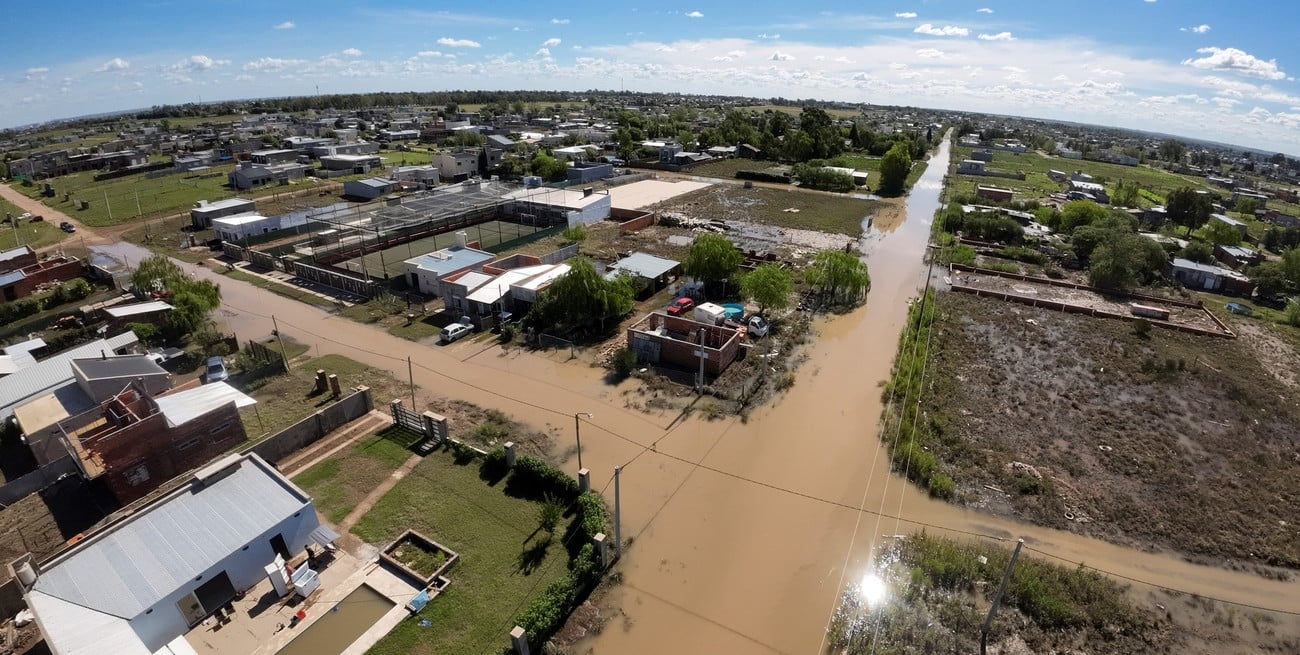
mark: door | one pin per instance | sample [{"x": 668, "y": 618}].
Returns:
[
  {"x": 191, "y": 609},
  {"x": 280, "y": 548},
  {"x": 215, "y": 592}
]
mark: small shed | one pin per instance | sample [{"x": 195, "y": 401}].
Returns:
[
  {"x": 656, "y": 271},
  {"x": 369, "y": 188}
]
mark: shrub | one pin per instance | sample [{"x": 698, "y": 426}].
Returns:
[
  {"x": 1023, "y": 254},
  {"x": 549, "y": 514},
  {"x": 962, "y": 254},
  {"x": 592, "y": 510},
  {"x": 544, "y": 615},
  {"x": 146, "y": 332},
  {"x": 1293, "y": 313},
  {"x": 942, "y": 486},
  {"x": 534, "y": 478},
  {"x": 576, "y": 234},
  {"x": 623, "y": 362}
]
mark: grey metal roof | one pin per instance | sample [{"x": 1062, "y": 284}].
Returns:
[
  {"x": 14, "y": 253},
  {"x": 1189, "y": 265},
  {"x": 53, "y": 371},
  {"x": 133, "y": 565},
  {"x": 645, "y": 265},
  {"x": 124, "y": 366},
  {"x": 181, "y": 407}
]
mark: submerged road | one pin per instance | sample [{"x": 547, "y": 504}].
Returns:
[{"x": 743, "y": 534}]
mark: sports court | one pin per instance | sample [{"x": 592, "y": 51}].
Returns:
[{"x": 489, "y": 235}]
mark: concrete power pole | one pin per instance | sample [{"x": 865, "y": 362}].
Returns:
[{"x": 1006, "y": 577}]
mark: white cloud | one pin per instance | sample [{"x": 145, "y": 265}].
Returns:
[
  {"x": 1199, "y": 29},
  {"x": 929, "y": 53},
  {"x": 272, "y": 64},
  {"x": 458, "y": 43},
  {"x": 352, "y": 52},
  {"x": 550, "y": 43},
  {"x": 112, "y": 65},
  {"x": 196, "y": 63},
  {"x": 428, "y": 53},
  {"x": 286, "y": 25},
  {"x": 983, "y": 10},
  {"x": 544, "y": 53},
  {"x": 1237, "y": 61},
  {"x": 1000, "y": 36},
  {"x": 946, "y": 30},
  {"x": 559, "y": 21},
  {"x": 695, "y": 14},
  {"x": 36, "y": 72},
  {"x": 905, "y": 14},
  {"x": 765, "y": 35},
  {"x": 781, "y": 56}
]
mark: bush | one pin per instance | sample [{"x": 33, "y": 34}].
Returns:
[
  {"x": 1293, "y": 313},
  {"x": 623, "y": 362},
  {"x": 962, "y": 254},
  {"x": 575, "y": 234},
  {"x": 544, "y": 616},
  {"x": 146, "y": 332},
  {"x": 594, "y": 520},
  {"x": 533, "y": 478},
  {"x": 1023, "y": 254},
  {"x": 942, "y": 486}
]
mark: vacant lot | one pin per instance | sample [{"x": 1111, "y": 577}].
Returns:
[
  {"x": 727, "y": 168},
  {"x": 823, "y": 212},
  {"x": 341, "y": 482},
  {"x": 286, "y": 399},
  {"x": 1168, "y": 440}
]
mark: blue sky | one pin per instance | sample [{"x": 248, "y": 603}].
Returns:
[{"x": 1224, "y": 71}]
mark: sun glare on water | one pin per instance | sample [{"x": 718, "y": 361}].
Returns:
[{"x": 873, "y": 589}]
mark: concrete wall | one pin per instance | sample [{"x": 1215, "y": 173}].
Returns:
[
  {"x": 26, "y": 485},
  {"x": 592, "y": 213},
  {"x": 312, "y": 428}
]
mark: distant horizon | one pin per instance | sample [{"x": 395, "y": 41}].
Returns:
[{"x": 1194, "y": 67}]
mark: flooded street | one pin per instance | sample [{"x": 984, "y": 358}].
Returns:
[{"x": 743, "y": 533}]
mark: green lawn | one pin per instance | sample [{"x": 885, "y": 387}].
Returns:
[
  {"x": 36, "y": 235},
  {"x": 1036, "y": 183},
  {"x": 505, "y": 561},
  {"x": 286, "y": 399},
  {"x": 286, "y": 290},
  {"x": 339, "y": 483}
]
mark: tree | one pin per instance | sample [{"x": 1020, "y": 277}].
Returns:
[
  {"x": 1188, "y": 208},
  {"x": 1078, "y": 213},
  {"x": 894, "y": 167},
  {"x": 191, "y": 300},
  {"x": 575, "y": 234},
  {"x": 1198, "y": 251},
  {"x": 1125, "y": 194},
  {"x": 841, "y": 278},
  {"x": 1270, "y": 279},
  {"x": 712, "y": 259},
  {"x": 548, "y": 167},
  {"x": 1222, "y": 234},
  {"x": 1125, "y": 259},
  {"x": 768, "y": 285},
  {"x": 1247, "y": 206},
  {"x": 1172, "y": 150},
  {"x": 580, "y": 297}
]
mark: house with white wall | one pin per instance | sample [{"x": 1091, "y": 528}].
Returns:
[{"x": 137, "y": 585}]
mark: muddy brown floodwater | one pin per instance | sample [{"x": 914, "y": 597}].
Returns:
[{"x": 744, "y": 533}]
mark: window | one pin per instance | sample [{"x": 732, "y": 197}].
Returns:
[
  {"x": 220, "y": 428},
  {"x": 138, "y": 474},
  {"x": 187, "y": 444}
]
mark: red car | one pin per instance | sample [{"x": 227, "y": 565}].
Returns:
[{"x": 681, "y": 306}]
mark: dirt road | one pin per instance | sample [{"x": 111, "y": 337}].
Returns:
[
  {"x": 744, "y": 533},
  {"x": 51, "y": 215}
]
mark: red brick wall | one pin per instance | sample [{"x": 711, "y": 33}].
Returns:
[
  {"x": 49, "y": 270},
  {"x": 723, "y": 347},
  {"x": 21, "y": 261},
  {"x": 151, "y": 444}
]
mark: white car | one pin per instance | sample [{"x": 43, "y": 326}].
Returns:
[
  {"x": 454, "y": 331},
  {"x": 757, "y": 326}
]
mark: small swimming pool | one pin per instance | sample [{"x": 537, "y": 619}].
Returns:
[{"x": 342, "y": 624}]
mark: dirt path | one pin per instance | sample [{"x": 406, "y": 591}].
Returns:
[
  {"x": 378, "y": 492},
  {"x": 52, "y": 215}
]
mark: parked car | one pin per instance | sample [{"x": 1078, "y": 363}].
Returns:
[
  {"x": 454, "y": 331},
  {"x": 757, "y": 325},
  {"x": 67, "y": 227},
  {"x": 216, "y": 370},
  {"x": 681, "y": 306}
]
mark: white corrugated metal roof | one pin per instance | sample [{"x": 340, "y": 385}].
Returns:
[
  {"x": 129, "y": 567},
  {"x": 544, "y": 278},
  {"x": 56, "y": 370},
  {"x": 493, "y": 290},
  {"x": 182, "y": 407},
  {"x": 120, "y": 311},
  {"x": 71, "y": 629}
]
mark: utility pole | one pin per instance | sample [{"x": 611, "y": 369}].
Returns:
[
  {"x": 109, "y": 208},
  {"x": 410, "y": 372},
  {"x": 577, "y": 433},
  {"x": 280, "y": 338},
  {"x": 702, "y": 356},
  {"x": 1006, "y": 576},
  {"x": 138, "y": 212},
  {"x": 618, "y": 519}
]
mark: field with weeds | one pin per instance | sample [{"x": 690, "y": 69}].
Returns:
[
  {"x": 824, "y": 212},
  {"x": 1161, "y": 440},
  {"x": 285, "y": 399}
]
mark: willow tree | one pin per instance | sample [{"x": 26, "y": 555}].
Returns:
[
  {"x": 840, "y": 277},
  {"x": 581, "y": 297}
]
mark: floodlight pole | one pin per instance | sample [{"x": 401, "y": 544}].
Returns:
[{"x": 1006, "y": 576}]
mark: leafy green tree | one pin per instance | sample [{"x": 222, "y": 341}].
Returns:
[
  {"x": 1291, "y": 266},
  {"x": 1078, "y": 213},
  {"x": 547, "y": 167},
  {"x": 1293, "y": 313},
  {"x": 712, "y": 259},
  {"x": 894, "y": 167},
  {"x": 582, "y": 296},
  {"x": 1247, "y": 207},
  {"x": 1198, "y": 251},
  {"x": 840, "y": 277},
  {"x": 825, "y": 139},
  {"x": 1172, "y": 150},
  {"x": 1270, "y": 279},
  {"x": 1124, "y": 260},
  {"x": 768, "y": 285},
  {"x": 1124, "y": 194},
  {"x": 191, "y": 299},
  {"x": 814, "y": 176},
  {"x": 1222, "y": 234},
  {"x": 1187, "y": 208}
]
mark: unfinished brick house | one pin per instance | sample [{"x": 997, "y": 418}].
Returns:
[
  {"x": 136, "y": 441},
  {"x": 662, "y": 339}
]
